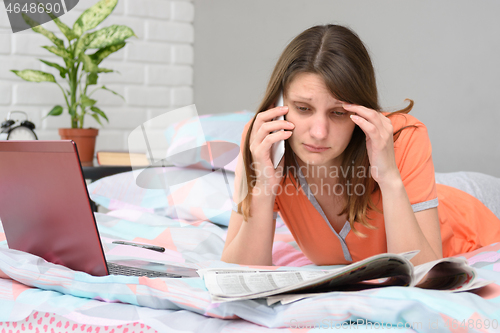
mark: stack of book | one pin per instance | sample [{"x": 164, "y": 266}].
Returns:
[{"x": 122, "y": 158}]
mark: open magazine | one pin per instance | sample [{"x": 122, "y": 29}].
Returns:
[{"x": 383, "y": 270}]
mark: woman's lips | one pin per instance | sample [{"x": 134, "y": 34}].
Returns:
[{"x": 315, "y": 149}]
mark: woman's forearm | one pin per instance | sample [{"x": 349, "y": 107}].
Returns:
[
  {"x": 253, "y": 243},
  {"x": 402, "y": 229}
]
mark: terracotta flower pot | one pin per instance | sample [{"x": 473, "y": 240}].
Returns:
[{"x": 84, "y": 139}]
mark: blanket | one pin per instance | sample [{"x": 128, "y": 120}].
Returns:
[{"x": 33, "y": 290}]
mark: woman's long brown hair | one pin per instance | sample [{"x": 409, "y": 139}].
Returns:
[{"x": 338, "y": 55}]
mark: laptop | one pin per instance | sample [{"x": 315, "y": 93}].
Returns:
[{"x": 46, "y": 210}]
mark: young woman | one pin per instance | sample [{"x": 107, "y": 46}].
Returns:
[{"x": 354, "y": 181}]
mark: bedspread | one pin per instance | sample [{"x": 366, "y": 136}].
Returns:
[{"x": 34, "y": 292}]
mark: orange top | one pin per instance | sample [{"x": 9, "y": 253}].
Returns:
[{"x": 466, "y": 223}]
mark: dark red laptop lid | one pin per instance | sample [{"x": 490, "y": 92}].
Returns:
[{"x": 45, "y": 207}]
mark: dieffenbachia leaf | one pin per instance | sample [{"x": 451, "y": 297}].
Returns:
[
  {"x": 114, "y": 92},
  {"x": 86, "y": 102},
  {"x": 81, "y": 45},
  {"x": 34, "y": 75},
  {"x": 56, "y": 111},
  {"x": 88, "y": 65},
  {"x": 36, "y": 27},
  {"x": 99, "y": 112},
  {"x": 108, "y": 40},
  {"x": 104, "y": 52},
  {"x": 70, "y": 35},
  {"x": 96, "y": 117},
  {"x": 92, "y": 79},
  {"x": 62, "y": 70},
  {"x": 93, "y": 16},
  {"x": 112, "y": 35},
  {"x": 58, "y": 52}
]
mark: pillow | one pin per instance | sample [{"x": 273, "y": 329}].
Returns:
[
  {"x": 180, "y": 193},
  {"x": 483, "y": 187},
  {"x": 224, "y": 127}
]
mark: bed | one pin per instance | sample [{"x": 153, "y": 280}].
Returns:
[{"x": 37, "y": 296}]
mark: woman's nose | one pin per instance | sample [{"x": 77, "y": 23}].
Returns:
[{"x": 319, "y": 128}]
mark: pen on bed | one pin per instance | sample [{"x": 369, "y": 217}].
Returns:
[{"x": 144, "y": 246}]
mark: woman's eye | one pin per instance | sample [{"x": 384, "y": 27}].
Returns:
[
  {"x": 302, "y": 108},
  {"x": 333, "y": 113}
]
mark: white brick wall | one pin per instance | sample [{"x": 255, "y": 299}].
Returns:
[
  {"x": 173, "y": 75},
  {"x": 150, "y": 52},
  {"x": 5, "y": 94},
  {"x": 4, "y": 20},
  {"x": 169, "y": 31},
  {"x": 149, "y": 8},
  {"x": 182, "y": 11},
  {"x": 182, "y": 54},
  {"x": 150, "y": 96},
  {"x": 155, "y": 70},
  {"x": 181, "y": 96},
  {"x": 5, "y": 42}
]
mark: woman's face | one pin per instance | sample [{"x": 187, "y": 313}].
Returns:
[{"x": 323, "y": 127}]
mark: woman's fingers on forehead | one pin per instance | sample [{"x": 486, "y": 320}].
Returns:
[{"x": 361, "y": 111}]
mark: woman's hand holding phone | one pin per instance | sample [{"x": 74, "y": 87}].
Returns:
[{"x": 265, "y": 132}]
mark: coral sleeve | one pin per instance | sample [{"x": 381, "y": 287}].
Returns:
[{"x": 413, "y": 153}]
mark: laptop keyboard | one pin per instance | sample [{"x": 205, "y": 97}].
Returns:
[{"x": 116, "y": 269}]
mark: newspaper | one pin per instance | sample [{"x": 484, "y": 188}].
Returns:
[{"x": 388, "y": 269}]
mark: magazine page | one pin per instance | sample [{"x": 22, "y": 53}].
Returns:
[
  {"x": 450, "y": 274},
  {"x": 447, "y": 274},
  {"x": 410, "y": 254},
  {"x": 241, "y": 284},
  {"x": 228, "y": 270},
  {"x": 420, "y": 271},
  {"x": 380, "y": 270},
  {"x": 290, "y": 298}
]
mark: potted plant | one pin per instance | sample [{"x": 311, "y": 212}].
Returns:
[{"x": 82, "y": 56}]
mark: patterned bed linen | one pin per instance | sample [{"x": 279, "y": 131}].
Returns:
[{"x": 45, "y": 296}]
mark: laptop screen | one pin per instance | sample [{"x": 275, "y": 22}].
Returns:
[{"x": 45, "y": 207}]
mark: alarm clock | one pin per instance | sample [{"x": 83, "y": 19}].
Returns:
[{"x": 16, "y": 129}]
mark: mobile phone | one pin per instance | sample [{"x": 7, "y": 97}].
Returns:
[{"x": 278, "y": 148}]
